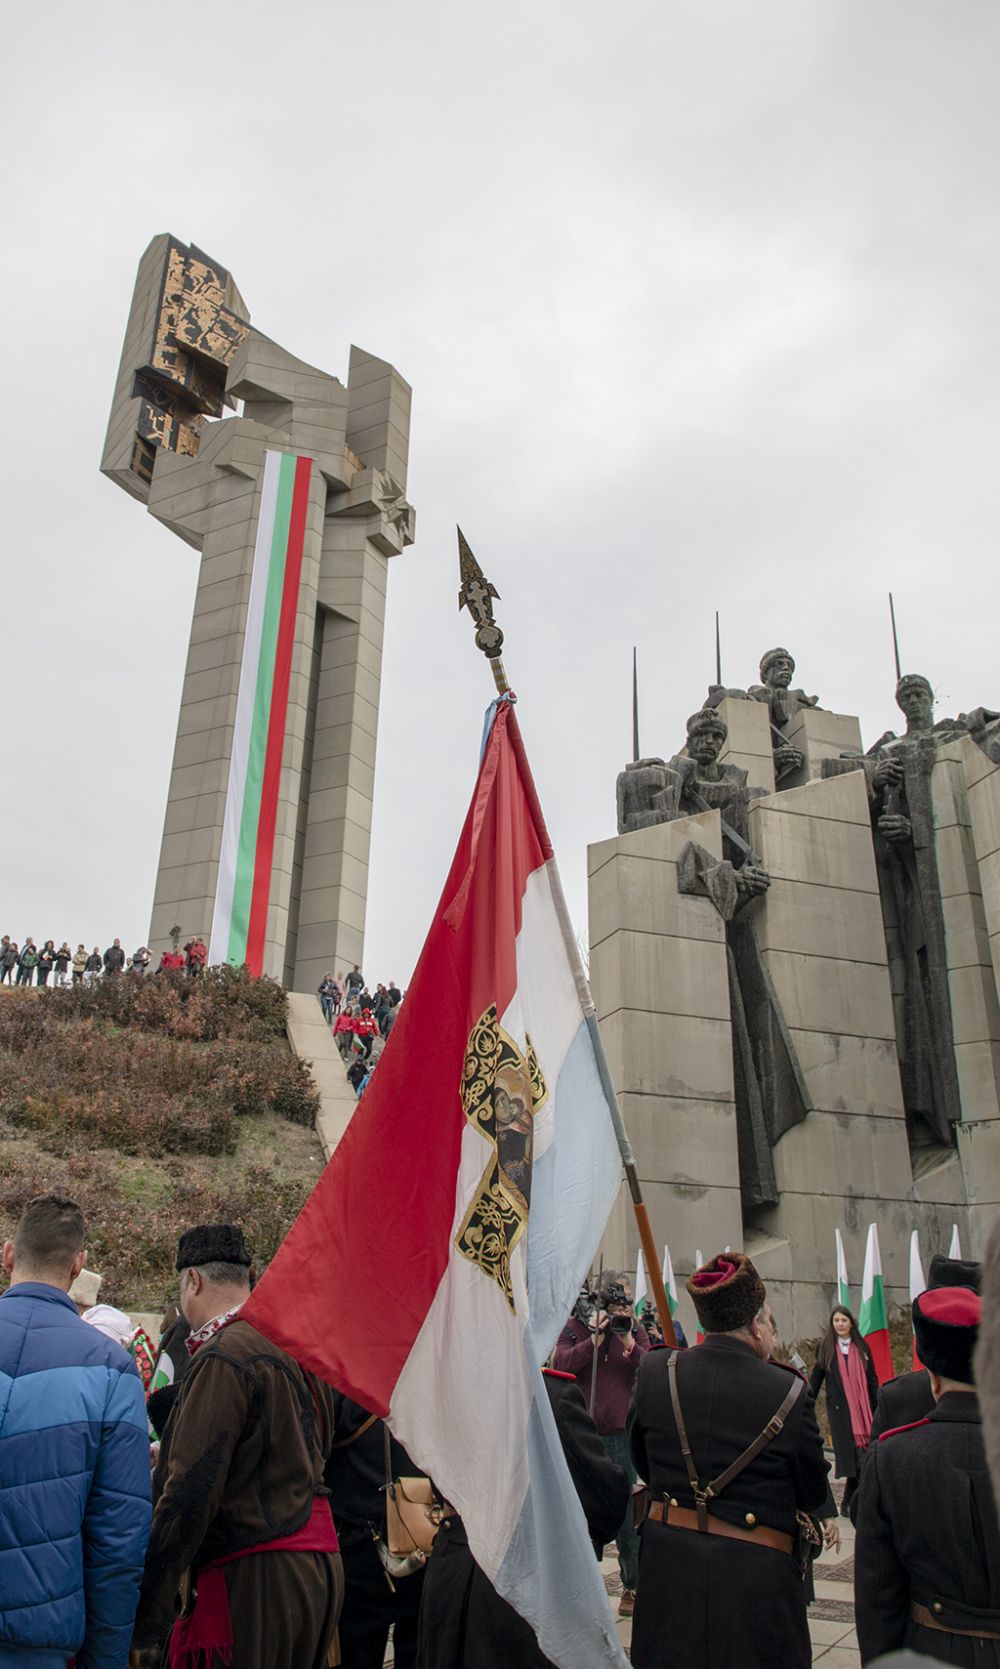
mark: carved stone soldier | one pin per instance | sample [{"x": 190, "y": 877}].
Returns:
[
  {"x": 898, "y": 771},
  {"x": 651, "y": 791},
  {"x": 777, "y": 668},
  {"x": 768, "y": 1086}
]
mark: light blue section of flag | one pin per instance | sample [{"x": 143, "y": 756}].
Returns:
[
  {"x": 549, "y": 1573},
  {"x": 573, "y": 1187}
]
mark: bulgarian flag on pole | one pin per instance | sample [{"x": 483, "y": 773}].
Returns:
[
  {"x": 243, "y": 888},
  {"x": 843, "y": 1286},
  {"x": 669, "y": 1283},
  {"x": 469, "y": 1194},
  {"x": 698, "y": 1261},
  {"x": 641, "y": 1289},
  {"x": 917, "y": 1284},
  {"x": 874, "y": 1321}
]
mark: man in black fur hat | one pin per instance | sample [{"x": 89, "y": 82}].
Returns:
[
  {"x": 719, "y": 1578},
  {"x": 240, "y": 1473},
  {"x": 927, "y": 1559}
]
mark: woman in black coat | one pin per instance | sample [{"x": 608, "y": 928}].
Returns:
[{"x": 833, "y": 1367}]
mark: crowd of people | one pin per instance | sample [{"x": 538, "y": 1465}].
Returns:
[
  {"x": 360, "y": 1021},
  {"x": 204, "y": 1500},
  {"x": 33, "y": 964}
]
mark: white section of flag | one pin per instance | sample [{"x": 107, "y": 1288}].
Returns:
[
  {"x": 843, "y": 1285},
  {"x": 955, "y": 1249},
  {"x": 917, "y": 1282}
]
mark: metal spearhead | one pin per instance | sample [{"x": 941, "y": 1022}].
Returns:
[{"x": 476, "y": 593}]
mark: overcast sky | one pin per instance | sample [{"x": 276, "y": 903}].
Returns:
[{"x": 698, "y": 302}]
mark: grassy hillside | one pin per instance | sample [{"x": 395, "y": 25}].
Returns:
[{"x": 156, "y": 1104}]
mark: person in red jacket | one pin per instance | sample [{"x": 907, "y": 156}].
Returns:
[
  {"x": 366, "y": 1027},
  {"x": 196, "y": 951}
]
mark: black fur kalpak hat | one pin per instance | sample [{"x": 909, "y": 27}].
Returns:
[
  {"x": 727, "y": 1292},
  {"x": 953, "y": 1272},
  {"x": 212, "y": 1243},
  {"x": 945, "y": 1327}
]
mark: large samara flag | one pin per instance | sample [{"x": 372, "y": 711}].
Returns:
[{"x": 463, "y": 1208}]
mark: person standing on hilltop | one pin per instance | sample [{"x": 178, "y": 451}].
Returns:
[{"x": 114, "y": 958}]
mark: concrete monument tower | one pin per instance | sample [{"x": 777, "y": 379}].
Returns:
[
  {"x": 296, "y": 502},
  {"x": 795, "y": 956}
]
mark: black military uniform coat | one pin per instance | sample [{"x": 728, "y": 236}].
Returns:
[
  {"x": 704, "y": 1601},
  {"x": 901, "y": 1402},
  {"x": 464, "y": 1624},
  {"x": 355, "y": 1477},
  {"x": 928, "y": 1534}
]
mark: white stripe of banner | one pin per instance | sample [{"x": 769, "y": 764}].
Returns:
[{"x": 218, "y": 950}]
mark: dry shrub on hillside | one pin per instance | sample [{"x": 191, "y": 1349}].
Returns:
[{"x": 159, "y": 1067}]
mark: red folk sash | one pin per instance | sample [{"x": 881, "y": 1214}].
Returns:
[{"x": 208, "y": 1628}]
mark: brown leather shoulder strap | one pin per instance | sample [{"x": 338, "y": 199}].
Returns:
[
  {"x": 345, "y": 1442},
  {"x": 771, "y": 1430},
  {"x": 675, "y": 1398}
]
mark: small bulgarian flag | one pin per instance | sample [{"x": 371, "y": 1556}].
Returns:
[
  {"x": 641, "y": 1289},
  {"x": 698, "y": 1261},
  {"x": 874, "y": 1322},
  {"x": 917, "y": 1283},
  {"x": 669, "y": 1283},
  {"x": 843, "y": 1287},
  {"x": 243, "y": 887},
  {"x": 955, "y": 1249}
]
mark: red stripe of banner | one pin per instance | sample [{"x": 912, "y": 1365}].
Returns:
[{"x": 277, "y": 720}]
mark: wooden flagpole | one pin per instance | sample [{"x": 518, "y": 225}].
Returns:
[{"x": 477, "y": 594}]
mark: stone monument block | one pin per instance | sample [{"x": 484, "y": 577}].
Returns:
[
  {"x": 296, "y": 503},
  {"x": 820, "y": 735},
  {"x": 820, "y": 929},
  {"x": 749, "y": 741},
  {"x": 658, "y": 969}
]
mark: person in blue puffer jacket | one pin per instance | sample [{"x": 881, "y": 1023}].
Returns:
[{"x": 74, "y": 1460}]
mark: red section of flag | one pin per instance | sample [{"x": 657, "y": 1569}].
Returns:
[
  {"x": 278, "y": 719},
  {"x": 878, "y": 1344},
  {"x": 373, "y": 1238}
]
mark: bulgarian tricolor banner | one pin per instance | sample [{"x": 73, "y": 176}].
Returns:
[
  {"x": 873, "y": 1323},
  {"x": 641, "y": 1287},
  {"x": 469, "y": 1195},
  {"x": 669, "y": 1283},
  {"x": 843, "y": 1285},
  {"x": 917, "y": 1284},
  {"x": 698, "y": 1263},
  {"x": 243, "y": 889}
]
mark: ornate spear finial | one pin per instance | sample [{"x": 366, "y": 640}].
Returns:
[{"x": 476, "y": 594}]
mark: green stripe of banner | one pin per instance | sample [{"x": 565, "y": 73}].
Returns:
[{"x": 243, "y": 884}]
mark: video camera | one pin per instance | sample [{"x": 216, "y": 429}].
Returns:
[{"x": 614, "y": 1297}]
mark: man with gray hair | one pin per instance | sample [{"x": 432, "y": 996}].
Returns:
[{"x": 240, "y": 1472}]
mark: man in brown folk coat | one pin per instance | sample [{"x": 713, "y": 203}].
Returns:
[{"x": 241, "y": 1518}]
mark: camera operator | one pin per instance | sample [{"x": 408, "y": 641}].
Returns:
[{"x": 602, "y": 1344}]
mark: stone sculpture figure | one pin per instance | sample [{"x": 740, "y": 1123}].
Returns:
[
  {"x": 898, "y": 771},
  {"x": 777, "y": 668},
  {"x": 769, "y": 1091}
]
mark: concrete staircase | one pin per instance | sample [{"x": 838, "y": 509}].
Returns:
[{"x": 312, "y": 1039}]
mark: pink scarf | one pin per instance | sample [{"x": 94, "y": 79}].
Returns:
[{"x": 855, "y": 1383}]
